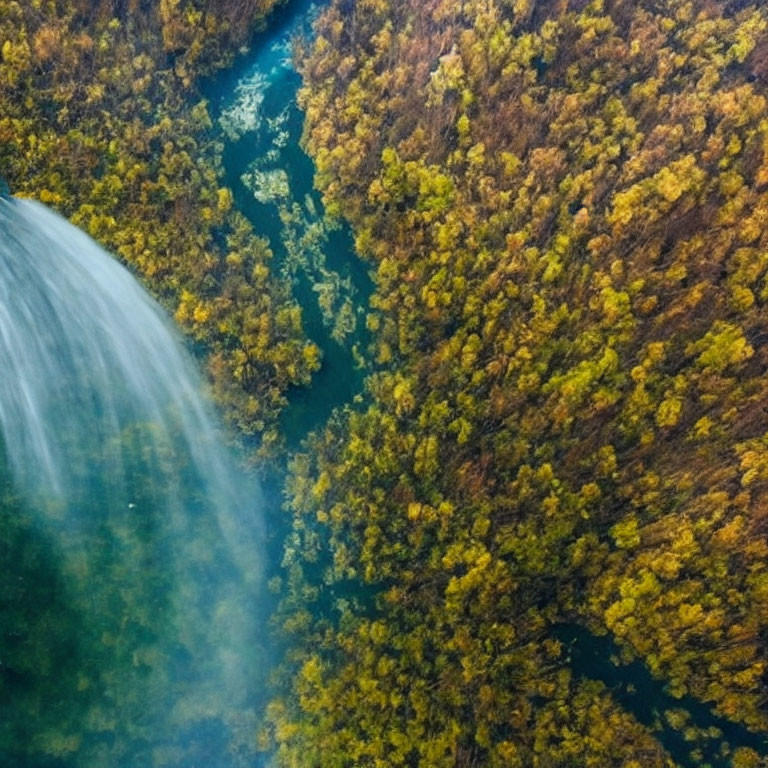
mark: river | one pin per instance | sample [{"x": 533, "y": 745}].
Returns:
[
  {"x": 271, "y": 176},
  {"x": 272, "y": 181}
]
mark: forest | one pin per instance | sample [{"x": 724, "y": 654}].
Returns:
[
  {"x": 101, "y": 117},
  {"x": 563, "y": 205}
]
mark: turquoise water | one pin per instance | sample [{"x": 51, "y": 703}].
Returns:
[
  {"x": 272, "y": 180},
  {"x": 265, "y": 83},
  {"x": 265, "y": 136}
]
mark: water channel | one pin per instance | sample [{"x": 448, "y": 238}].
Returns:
[
  {"x": 166, "y": 681},
  {"x": 270, "y": 174}
]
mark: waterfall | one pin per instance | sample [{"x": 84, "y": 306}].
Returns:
[{"x": 129, "y": 631}]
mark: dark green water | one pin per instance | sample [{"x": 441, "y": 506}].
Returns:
[
  {"x": 131, "y": 598},
  {"x": 633, "y": 687}
]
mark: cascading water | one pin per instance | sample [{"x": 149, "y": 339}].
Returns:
[{"x": 129, "y": 632}]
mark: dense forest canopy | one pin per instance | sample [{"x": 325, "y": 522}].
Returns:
[
  {"x": 100, "y": 117},
  {"x": 565, "y": 205}
]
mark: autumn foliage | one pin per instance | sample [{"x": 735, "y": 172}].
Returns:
[
  {"x": 565, "y": 204},
  {"x": 100, "y": 117}
]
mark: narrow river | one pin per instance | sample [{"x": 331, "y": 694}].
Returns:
[{"x": 272, "y": 179}]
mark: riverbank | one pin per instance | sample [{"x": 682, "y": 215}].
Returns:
[{"x": 274, "y": 193}]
